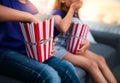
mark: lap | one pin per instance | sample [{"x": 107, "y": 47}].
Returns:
[
  {"x": 23, "y": 68},
  {"x": 60, "y": 51},
  {"x": 65, "y": 70}
]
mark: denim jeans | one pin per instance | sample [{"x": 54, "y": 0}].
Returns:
[
  {"x": 65, "y": 70},
  {"x": 28, "y": 70}
]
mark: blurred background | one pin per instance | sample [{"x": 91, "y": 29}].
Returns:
[{"x": 107, "y": 11}]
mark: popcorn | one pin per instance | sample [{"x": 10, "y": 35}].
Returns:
[{"x": 38, "y": 39}]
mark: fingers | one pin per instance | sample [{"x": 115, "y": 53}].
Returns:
[
  {"x": 77, "y": 4},
  {"x": 53, "y": 44},
  {"x": 81, "y": 51},
  {"x": 52, "y": 52}
]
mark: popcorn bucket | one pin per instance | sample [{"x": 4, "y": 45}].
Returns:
[
  {"x": 38, "y": 39},
  {"x": 77, "y": 36}
]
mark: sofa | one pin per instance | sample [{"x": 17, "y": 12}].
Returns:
[{"x": 107, "y": 44}]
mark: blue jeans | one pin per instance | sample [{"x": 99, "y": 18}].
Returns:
[{"x": 28, "y": 70}]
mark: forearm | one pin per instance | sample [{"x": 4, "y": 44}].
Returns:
[
  {"x": 66, "y": 21},
  {"x": 64, "y": 24},
  {"x": 9, "y": 14}
]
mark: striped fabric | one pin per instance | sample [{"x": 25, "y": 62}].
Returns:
[
  {"x": 38, "y": 39},
  {"x": 77, "y": 36}
]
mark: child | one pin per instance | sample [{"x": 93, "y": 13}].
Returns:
[
  {"x": 13, "y": 59},
  {"x": 95, "y": 65}
]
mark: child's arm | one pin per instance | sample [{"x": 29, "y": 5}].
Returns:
[
  {"x": 9, "y": 14},
  {"x": 63, "y": 24}
]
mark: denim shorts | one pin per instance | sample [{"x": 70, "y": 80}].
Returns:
[
  {"x": 61, "y": 42},
  {"x": 60, "y": 51}
]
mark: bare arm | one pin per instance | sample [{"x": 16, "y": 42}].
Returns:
[
  {"x": 63, "y": 24},
  {"x": 9, "y": 14}
]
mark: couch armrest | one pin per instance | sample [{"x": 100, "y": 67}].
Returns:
[{"x": 107, "y": 38}]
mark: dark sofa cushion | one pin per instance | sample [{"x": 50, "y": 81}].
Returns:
[
  {"x": 107, "y": 52},
  {"x": 81, "y": 74}
]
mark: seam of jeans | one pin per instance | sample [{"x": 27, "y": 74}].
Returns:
[
  {"x": 3, "y": 53},
  {"x": 67, "y": 72}
]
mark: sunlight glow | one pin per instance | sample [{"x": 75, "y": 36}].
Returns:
[
  {"x": 43, "y": 6},
  {"x": 107, "y": 11}
]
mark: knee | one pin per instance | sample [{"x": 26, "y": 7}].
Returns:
[
  {"x": 48, "y": 75},
  {"x": 91, "y": 65},
  {"x": 69, "y": 73},
  {"x": 101, "y": 59},
  {"x": 52, "y": 77},
  {"x": 67, "y": 66}
]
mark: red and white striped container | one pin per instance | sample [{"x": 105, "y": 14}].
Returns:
[
  {"x": 77, "y": 36},
  {"x": 38, "y": 39}
]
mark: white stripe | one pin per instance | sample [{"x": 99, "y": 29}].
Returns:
[
  {"x": 33, "y": 40},
  {"x": 25, "y": 36},
  {"x": 41, "y": 37}
]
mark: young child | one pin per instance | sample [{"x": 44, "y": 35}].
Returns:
[
  {"x": 13, "y": 57},
  {"x": 94, "y": 64}
]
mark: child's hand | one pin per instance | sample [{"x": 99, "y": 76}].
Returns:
[
  {"x": 76, "y": 5},
  {"x": 30, "y": 18},
  {"x": 33, "y": 18},
  {"x": 83, "y": 49},
  {"x": 53, "y": 50}
]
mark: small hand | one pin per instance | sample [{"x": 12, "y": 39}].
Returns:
[
  {"x": 53, "y": 50},
  {"x": 83, "y": 49},
  {"x": 30, "y": 18},
  {"x": 76, "y": 5},
  {"x": 34, "y": 19}
]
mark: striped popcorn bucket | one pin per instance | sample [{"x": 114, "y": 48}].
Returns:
[
  {"x": 77, "y": 36},
  {"x": 38, "y": 39}
]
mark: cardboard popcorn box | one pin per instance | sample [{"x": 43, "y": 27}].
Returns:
[
  {"x": 77, "y": 36},
  {"x": 38, "y": 39}
]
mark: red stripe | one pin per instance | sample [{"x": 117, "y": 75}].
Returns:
[
  {"x": 76, "y": 28},
  {"x": 44, "y": 37},
  {"x": 37, "y": 39},
  {"x": 28, "y": 37},
  {"x": 28, "y": 52},
  {"x": 76, "y": 48}
]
